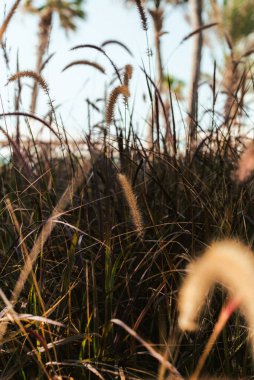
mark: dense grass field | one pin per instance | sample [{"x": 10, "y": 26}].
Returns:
[{"x": 97, "y": 235}]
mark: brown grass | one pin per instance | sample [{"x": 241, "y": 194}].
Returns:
[{"x": 41, "y": 240}]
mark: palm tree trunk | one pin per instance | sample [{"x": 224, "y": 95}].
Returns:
[
  {"x": 43, "y": 36},
  {"x": 157, "y": 15},
  {"x": 231, "y": 83},
  {"x": 196, "y": 22}
]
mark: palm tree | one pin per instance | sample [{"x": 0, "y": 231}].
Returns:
[
  {"x": 68, "y": 11},
  {"x": 236, "y": 18},
  {"x": 196, "y": 8}
]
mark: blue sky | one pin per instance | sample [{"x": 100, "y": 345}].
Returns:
[{"x": 106, "y": 19}]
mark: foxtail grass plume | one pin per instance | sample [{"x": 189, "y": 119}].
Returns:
[
  {"x": 142, "y": 14},
  {"x": 85, "y": 62},
  {"x": 245, "y": 164},
  {"x": 120, "y": 90},
  {"x": 128, "y": 70},
  {"x": 229, "y": 263},
  {"x": 30, "y": 74},
  {"x": 132, "y": 203}
]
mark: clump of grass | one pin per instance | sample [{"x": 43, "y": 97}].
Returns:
[
  {"x": 75, "y": 264},
  {"x": 41, "y": 240}
]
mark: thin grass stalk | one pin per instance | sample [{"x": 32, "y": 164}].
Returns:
[{"x": 224, "y": 316}]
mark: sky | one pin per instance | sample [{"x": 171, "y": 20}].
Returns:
[{"x": 105, "y": 19}]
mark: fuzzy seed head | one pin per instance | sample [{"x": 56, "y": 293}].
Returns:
[
  {"x": 229, "y": 263},
  {"x": 132, "y": 203},
  {"x": 120, "y": 90}
]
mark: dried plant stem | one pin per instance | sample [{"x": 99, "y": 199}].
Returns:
[
  {"x": 225, "y": 314},
  {"x": 173, "y": 371}
]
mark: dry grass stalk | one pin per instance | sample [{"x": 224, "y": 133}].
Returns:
[
  {"x": 142, "y": 14},
  {"x": 174, "y": 374},
  {"x": 41, "y": 240},
  {"x": 128, "y": 71},
  {"x": 132, "y": 203},
  {"x": 120, "y": 90},
  {"x": 229, "y": 263},
  {"x": 116, "y": 42},
  {"x": 245, "y": 164},
  {"x": 85, "y": 62},
  {"x": 224, "y": 316},
  {"x": 8, "y": 19},
  {"x": 30, "y": 74}
]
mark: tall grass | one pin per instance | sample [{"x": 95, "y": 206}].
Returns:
[{"x": 92, "y": 260}]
